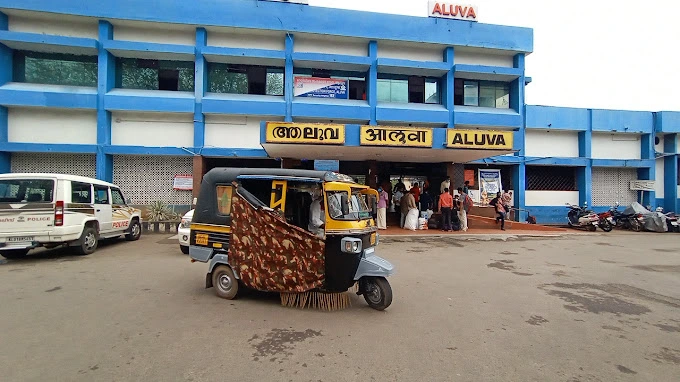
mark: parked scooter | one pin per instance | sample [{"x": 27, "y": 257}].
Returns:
[{"x": 578, "y": 217}]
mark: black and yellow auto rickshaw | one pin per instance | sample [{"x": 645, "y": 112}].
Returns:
[{"x": 308, "y": 235}]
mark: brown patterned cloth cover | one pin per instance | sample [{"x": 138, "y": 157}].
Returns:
[{"x": 271, "y": 255}]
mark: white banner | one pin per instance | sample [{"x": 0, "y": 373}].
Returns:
[
  {"x": 489, "y": 185},
  {"x": 183, "y": 182}
]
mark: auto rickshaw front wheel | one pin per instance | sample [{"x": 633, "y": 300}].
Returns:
[
  {"x": 224, "y": 282},
  {"x": 377, "y": 292}
]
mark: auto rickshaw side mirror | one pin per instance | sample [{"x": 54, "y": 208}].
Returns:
[{"x": 345, "y": 204}]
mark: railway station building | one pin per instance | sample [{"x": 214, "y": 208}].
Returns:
[{"x": 151, "y": 95}]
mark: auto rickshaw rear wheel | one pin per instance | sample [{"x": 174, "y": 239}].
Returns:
[
  {"x": 377, "y": 293},
  {"x": 225, "y": 282}
]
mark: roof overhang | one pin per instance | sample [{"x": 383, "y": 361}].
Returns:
[{"x": 383, "y": 154}]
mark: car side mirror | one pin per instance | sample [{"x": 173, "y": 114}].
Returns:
[
  {"x": 344, "y": 204},
  {"x": 128, "y": 201}
]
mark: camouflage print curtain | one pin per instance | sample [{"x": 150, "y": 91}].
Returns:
[{"x": 272, "y": 255}]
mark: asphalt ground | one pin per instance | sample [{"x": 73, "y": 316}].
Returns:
[{"x": 594, "y": 307}]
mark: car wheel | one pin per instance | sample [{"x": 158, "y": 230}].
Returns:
[
  {"x": 135, "y": 231},
  {"x": 88, "y": 241},
  {"x": 184, "y": 249}
]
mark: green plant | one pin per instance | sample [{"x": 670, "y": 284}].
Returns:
[{"x": 158, "y": 211}]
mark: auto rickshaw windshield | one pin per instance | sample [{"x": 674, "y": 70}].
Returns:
[{"x": 358, "y": 209}]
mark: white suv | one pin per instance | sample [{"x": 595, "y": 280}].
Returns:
[
  {"x": 184, "y": 232},
  {"x": 55, "y": 209}
]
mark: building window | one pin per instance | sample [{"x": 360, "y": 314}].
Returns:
[
  {"x": 356, "y": 81},
  {"x": 482, "y": 93},
  {"x": 55, "y": 69},
  {"x": 550, "y": 178},
  {"x": 137, "y": 73},
  {"x": 245, "y": 79},
  {"x": 409, "y": 90}
]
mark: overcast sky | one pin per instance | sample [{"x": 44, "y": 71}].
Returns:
[{"x": 598, "y": 54}]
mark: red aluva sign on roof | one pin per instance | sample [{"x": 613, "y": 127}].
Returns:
[{"x": 452, "y": 11}]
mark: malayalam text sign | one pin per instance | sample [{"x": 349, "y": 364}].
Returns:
[
  {"x": 396, "y": 136},
  {"x": 310, "y": 133},
  {"x": 479, "y": 139}
]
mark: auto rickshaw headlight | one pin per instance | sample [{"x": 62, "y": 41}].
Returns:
[{"x": 350, "y": 245}]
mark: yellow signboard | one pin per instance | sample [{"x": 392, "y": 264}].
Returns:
[
  {"x": 479, "y": 139},
  {"x": 310, "y": 133},
  {"x": 396, "y": 136}
]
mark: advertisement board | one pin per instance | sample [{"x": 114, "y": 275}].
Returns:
[
  {"x": 321, "y": 87},
  {"x": 489, "y": 185}
]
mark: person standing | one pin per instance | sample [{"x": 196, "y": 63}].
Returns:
[
  {"x": 416, "y": 193},
  {"x": 464, "y": 206},
  {"x": 446, "y": 206},
  {"x": 382, "y": 208},
  {"x": 466, "y": 187},
  {"x": 445, "y": 184},
  {"x": 317, "y": 216},
  {"x": 500, "y": 211},
  {"x": 408, "y": 202},
  {"x": 426, "y": 200},
  {"x": 507, "y": 202}
]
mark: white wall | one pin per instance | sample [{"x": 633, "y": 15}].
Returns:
[
  {"x": 660, "y": 178},
  {"x": 43, "y": 125},
  {"x": 324, "y": 44},
  {"x": 154, "y": 32},
  {"x": 550, "y": 198},
  {"x": 60, "y": 26},
  {"x": 479, "y": 58},
  {"x": 246, "y": 39},
  {"x": 616, "y": 146},
  {"x": 232, "y": 131},
  {"x": 420, "y": 52},
  {"x": 659, "y": 147},
  {"x": 541, "y": 143},
  {"x": 152, "y": 129}
]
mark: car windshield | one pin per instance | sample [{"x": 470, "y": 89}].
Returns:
[{"x": 358, "y": 209}]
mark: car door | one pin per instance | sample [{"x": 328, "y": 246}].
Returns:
[
  {"x": 121, "y": 213},
  {"x": 102, "y": 208}
]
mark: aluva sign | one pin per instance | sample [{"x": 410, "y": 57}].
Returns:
[{"x": 452, "y": 11}]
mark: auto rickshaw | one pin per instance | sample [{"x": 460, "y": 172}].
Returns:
[{"x": 259, "y": 229}]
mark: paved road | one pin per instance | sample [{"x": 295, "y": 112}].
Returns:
[{"x": 580, "y": 308}]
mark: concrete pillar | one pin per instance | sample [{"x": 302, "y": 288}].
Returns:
[
  {"x": 105, "y": 82},
  {"x": 288, "y": 78},
  {"x": 372, "y": 81},
  {"x": 670, "y": 175},
  {"x": 519, "y": 188},
  {"x": 198, "y": 172},
  {"x": 200, "y": 87}
]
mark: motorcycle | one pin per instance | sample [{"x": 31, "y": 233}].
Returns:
[
  {"x": 606, "y": 221},
  {"x": 578, "y": 217},
  {"x": 671, "y": 220},
  {"x": 632, "y": 222}
]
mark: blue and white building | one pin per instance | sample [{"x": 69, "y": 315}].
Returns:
[{"x": 139, "y": 92}]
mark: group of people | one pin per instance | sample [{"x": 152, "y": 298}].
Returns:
[
  {"x": 461, "y": 203},
  {"x": 420, "y": 199}
]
